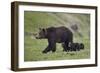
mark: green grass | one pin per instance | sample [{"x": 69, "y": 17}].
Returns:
[{"x": 33, "y": 47}]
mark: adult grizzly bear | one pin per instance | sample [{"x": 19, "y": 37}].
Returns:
[{"x": 56, "y": 35}]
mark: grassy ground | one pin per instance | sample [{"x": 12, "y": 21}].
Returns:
[{"x": 33, "y": 47}]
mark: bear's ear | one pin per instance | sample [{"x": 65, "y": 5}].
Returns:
[
  {"x": 40, "y": 28},
  {"x": 45, "y": 31}
]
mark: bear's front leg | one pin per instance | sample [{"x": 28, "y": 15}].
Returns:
[
  {"x": 51, "y": 46},
  {"x": 54, "y": 48},
  {"x": 47, "y": 49}
]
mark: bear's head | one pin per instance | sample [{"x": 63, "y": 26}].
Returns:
[
  {"x": 41, "y": 34},
  {"x": 81, "y": 46}
]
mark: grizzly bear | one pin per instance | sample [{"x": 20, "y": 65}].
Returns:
[
  {"x": 56, "y": 35},
  {"x": 76, "y": 46}
]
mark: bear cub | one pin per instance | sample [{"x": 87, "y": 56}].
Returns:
[{"x": 76, "y": 46}]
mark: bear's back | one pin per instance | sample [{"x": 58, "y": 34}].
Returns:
[{"x": 59, "y": 33}]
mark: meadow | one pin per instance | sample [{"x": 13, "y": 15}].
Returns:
[{"x": 33, "y": 47}]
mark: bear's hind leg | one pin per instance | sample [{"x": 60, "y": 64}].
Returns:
[{"x": 65, "y": 47}]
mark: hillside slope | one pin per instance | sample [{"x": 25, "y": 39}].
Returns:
[{"x": 35, "y": 20}]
